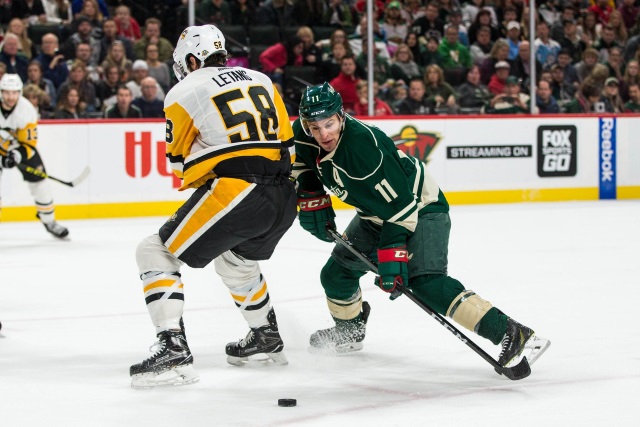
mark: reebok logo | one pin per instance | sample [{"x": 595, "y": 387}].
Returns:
[
  {"x": 557, "y": 151},
  {"x": 607, "y": 158}
]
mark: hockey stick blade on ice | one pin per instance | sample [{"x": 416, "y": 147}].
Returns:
[
  {"x": 73, "y": 183},
  {"x": 517, "y": 372}
]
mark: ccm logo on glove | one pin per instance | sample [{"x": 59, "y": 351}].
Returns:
[{"x": 314, "y": 204}]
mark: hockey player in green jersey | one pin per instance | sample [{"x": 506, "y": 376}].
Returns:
[{"x": 402, "y": 222}]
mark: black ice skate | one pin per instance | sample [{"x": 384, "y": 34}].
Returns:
[
  {"x": 345, "y": 337},
  {"x": 171, "y": 364},
  {"x": 265, "y": 339},
  {"x": 519, "y": 342},
  {"x": 56, "y": 229}
]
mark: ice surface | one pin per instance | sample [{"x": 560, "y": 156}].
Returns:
[{"x": 75, "y": 319}]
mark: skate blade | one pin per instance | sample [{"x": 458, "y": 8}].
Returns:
[
  {"x": 525, "y": 352},
  {"x": 271, "y": 358},
  {"x": 181, "y": 375},
  {"x": 337, "y": 349},
  {"x": 536, "y": 347}
]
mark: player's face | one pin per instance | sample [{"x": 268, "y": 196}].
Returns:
[
  {"x": 10, "y": 98},
  {"x": 326, "y": 132}
]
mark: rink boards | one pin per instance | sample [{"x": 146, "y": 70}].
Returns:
[{"x": 475, "y": 159}]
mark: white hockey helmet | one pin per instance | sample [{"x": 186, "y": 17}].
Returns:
[
  {"x": 11, "y": 82},
  {"x": 199, "y": 42}
]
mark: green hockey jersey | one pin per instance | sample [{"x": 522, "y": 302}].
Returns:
[{"x": 367, "y": 171}]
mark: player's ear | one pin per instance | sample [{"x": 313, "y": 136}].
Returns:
[{"x": 193, "y": 63}]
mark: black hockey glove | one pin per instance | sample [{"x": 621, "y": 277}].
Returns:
[
  {"x": 12, "y": 158},
  {"x": 316, "y": 213}
]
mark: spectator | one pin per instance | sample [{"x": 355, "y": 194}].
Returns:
[
  {"x": 430, "y": 23},
  {"x": 338, "y": 13},
  {"x": 26, "y": 46},
  {"x": 413, "y": 10},
  {"x": 418, "y": 50},
  {"x": 614, "y": 62},
  {"x": 455, "y": 21},
  {"x": 58, "y": 12},
  {"x": 158, "y": 70},
  {"x": 633, "y": 105},
  {"x": 499, "y": 78},
  {"x": 590, "y": 28},
  {"x": 472, "y": 94},
  {"x": 330, "y": 68},
  {"x": 116, "y": 56},
  {"x": 471, "y": 9},
  {"x": 311, "y": 54},
  {"x": 570, "y": 73},
  {"x": 55, "y": 69},
  {"x": 107, "y": 87},
  {"x": 562, "y": 92},
  {"x": 602, "y": 10},
  {"x": 619, "y": 30},
  {"x": 83, "y": 53},
  {"x": 381, "y": 67},
  {"x": 140, "y": 70},
  {"x": 513, "y": 39},
  {"x": 611, "y": 95},
  {"x": 357, "y": 40},
  {"x": 545, "y": 101},
  {"x": 123, "y": 107},
  {"x": 511, "y": 101},
  {"x": 216, "y": 12},
  {"x": 276, "y": 12},
  {"x": 86, "y": 89},
  {"x": 69, "y": 106},
  {"x": 483, "y": 19},
  {"x": 109, "y": 36},
  {"x": 397, "y": 94},
  {"x": 152, "y": 36},
  {"x": 36, "y": 97},
  {"x": 571, "y": 41},
  {"x": 29, "y": 10},
  {"x": 337, "y": 36},
  {"x": 586, "y": 100},
  {"x": 520, "y": 66},
  {"x": 509, "y": 13},
  {"x": 629, "y": 12},
  {"x": 630, "y": 77},
  {"x": 557, "y": 30},
  {"x": 345, "y": 83},
  {"x": 243, "y": 12},
  {"x": 631, "y": 48},
  {"x": 546, "y": 49},
  {"x": 432, "y": 52},
  {"x": 90, "y": 10},
  {"x": 83, "y": 34},
  {"x": 76, "y": 6},
  {"x": 126, "y": 25},
  {"x": 361, "y": 108},
  {"x": 548, "y": 11},
  {"x": 16, "y": 64},
  {"x": 394, "y": 24},
  {"x": 598, "y": 76},
  {"x": 275, "y": 58},
  {"x": 585, "y": 67},
  {"x": 438, "y": 92},
  {"x": 604, "y": 43},
  {"x": 454, "y": 55},
  {"x": 499, "y": 52},
  {"x": 416, "y": 103},
  {"x": 149, "y": 103},
  {"x": 481, "y": 48},
  {"x": 34, "y": 76},
  {"x": 403, "y": 66}
]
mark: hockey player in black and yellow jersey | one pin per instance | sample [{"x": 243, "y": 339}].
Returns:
[
  {"x": 228, "y": 138},
  {"x": 18, "y": 139},
  {"x": 402, "y": 222}
]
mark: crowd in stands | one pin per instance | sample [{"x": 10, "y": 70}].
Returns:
[{"x": 113, "y": 58}]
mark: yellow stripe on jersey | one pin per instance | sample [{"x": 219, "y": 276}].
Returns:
[
  {"x": 193, "y": 175},
  {"x": 161, "y": 284},
  {"x": 181, "y": 131},
  {"x": 256, "y": 297},
  {"x": 286, "y": 131},
  {"x": 218, "y": 200}
]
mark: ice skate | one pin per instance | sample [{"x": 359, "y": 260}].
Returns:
[
  {"x": 171, "y": 364},
  {"x": 519, "y": 342},
  {"x": 345, "y": 337},
  {"x": 56, "y": 229},
  {"x": 263, "y": 340}
]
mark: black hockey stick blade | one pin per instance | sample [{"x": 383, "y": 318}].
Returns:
[
  {"x": 37, "y": 172},
  {"x": 518, "y": 372}
]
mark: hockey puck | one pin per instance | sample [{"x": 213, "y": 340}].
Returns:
[{"x": 287, "y": 402}]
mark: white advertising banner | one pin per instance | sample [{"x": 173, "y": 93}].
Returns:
[{"x": 474, "y": 160}]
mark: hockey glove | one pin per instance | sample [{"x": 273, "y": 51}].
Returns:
[
  {"x": 12, "y": 158},
  {"x": 393, "y": 267},
  {"x": 316, "y": 213}
]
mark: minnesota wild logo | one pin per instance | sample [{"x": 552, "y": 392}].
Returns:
[{"x": 416, "y": 144}]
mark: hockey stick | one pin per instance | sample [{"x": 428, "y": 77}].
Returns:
[
  {"x": 517, "y": 372},
  {"x": 73, "y": 183}
]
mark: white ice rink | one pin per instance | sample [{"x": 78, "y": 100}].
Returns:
[{"x": 75, "y": 319}]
